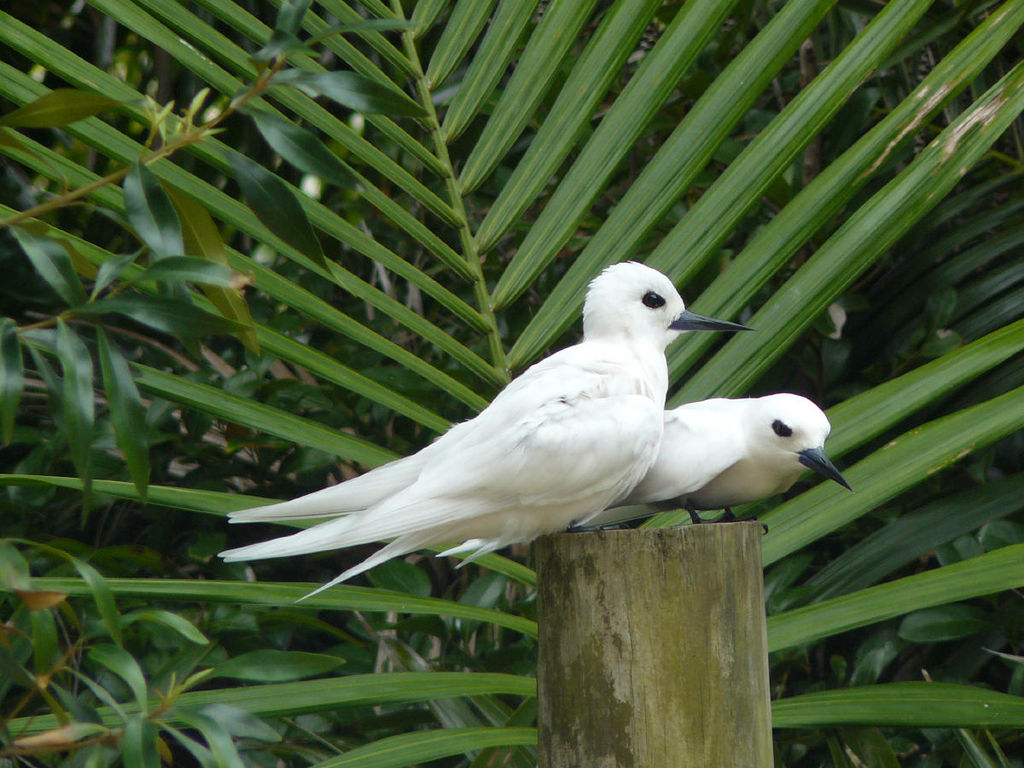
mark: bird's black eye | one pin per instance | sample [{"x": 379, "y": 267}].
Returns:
[
  {"x": 782, "y": 430},
  {"x": 653, "y": 300}
]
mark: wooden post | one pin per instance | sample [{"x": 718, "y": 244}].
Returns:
[{"x": 653, "y": 649}]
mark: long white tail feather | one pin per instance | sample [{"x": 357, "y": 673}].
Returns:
[
  {"x": 493, "y": 545},
  {"x": 329, "y": 535},
  {"x": 403, "y": 545},
  {"x": 466, "y": 547},
  {"x": 350, "y": 496}
]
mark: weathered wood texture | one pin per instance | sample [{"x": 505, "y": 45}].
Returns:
[{"x": 653, "y": 649}]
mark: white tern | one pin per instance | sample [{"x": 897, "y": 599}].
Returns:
[
  {"x": 561, "y": 442},
  {"x": 718, "y": 453}
]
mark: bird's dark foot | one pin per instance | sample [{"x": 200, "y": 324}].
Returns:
[
  {"x": 694, "y": 517},
  {"x": 728, "y": 516}
]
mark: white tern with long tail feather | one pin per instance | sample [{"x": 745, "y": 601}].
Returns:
[{"x": 571, "y": 435}]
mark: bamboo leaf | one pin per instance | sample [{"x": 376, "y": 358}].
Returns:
[
  {"x": 110, "y": 271},
  {"x": 151, "y": 213},
  {"x": 423, "y": 746},
  {"x": 57, "y": 108},
  {"x": 126, "y": 411},
  {"x": 12, "y": 377}
]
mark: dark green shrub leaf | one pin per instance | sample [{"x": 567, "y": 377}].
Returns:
[
  {"x": 272, "y": 666},
  {"x": 400, "y": 576},
  {"x": 140, "y": 743},
  {"x": 289, "y": 17},
  {"x": 77, "y": 397},
  {"x": 169, "y": 620},
  {"x": 173, "y": 316},
  {"x": 53, "y": 265},
  {"x": 14, "y": 573},
  {"x": 124, "y": 665},
  {"x": 12, "y": 377},
  {"x": 276, "y": 206},
  {"x": 45, "y": 649},
  {"x": 301, "y": 148},
  {"x": 945, "y": 622},
  {"x": 58, "y": 107},
  {"x": 216, "y": 736},
  {"x": 352, "y": 90},
  {"x": 279, "y": 44},
  {"x": 240, "y": 723},
  {"x": 109, "y": 271},
  {"x": 126, "y": 411},
  {"x": 202, "y": 238},
  {"x": 150, "y": 212},
  {"x": 191, "y": 269},
  {"x": 202, "y": 755}
]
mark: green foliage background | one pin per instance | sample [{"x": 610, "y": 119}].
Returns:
[{"x": 376, "y": 215}]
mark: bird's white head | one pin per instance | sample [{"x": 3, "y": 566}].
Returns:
[
  {"x": 793, "y": 430},
  {"x": 634, "y": 301}
]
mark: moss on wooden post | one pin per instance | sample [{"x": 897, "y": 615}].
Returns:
[{"x": 653, "y": 649}]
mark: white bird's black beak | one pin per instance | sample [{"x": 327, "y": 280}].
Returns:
[
  {"x": 691, "y": 321},
  {"x": 815, "y": 458}
]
